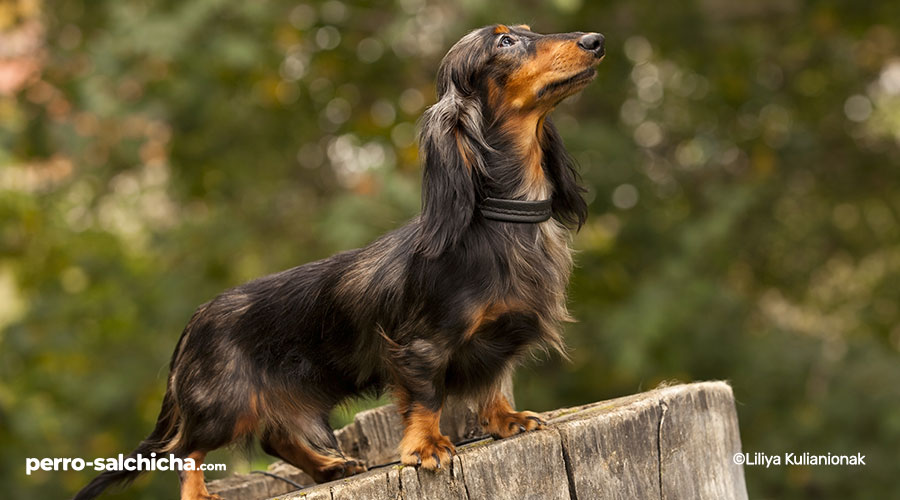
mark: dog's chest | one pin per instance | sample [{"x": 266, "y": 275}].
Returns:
[
  {"x": 541, "y": 261},
  {"x": 535, "y": 271},
  {"x": 529, "y": 308}
]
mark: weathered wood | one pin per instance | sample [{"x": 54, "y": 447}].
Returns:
[
  {"x": 614, "y": 453},
  {"x": 374, "y": 484},
  {"x": 373, "y": 436},
  {"x": 258, "y": 486},
  {"x": 243, "y": 486},
  {"x": 419, "y": 484},
  {"x": 674, "y": 442},
  {"x": 670, "y": 443},
  {"x": 698, "y": 438},
  {"x": 528, "y": 466}
]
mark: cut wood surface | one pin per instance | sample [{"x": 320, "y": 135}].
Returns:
[{"x": 670, "y": 443}]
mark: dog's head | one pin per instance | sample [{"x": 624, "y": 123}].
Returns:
[
  {"x": 514, "y": 69},
  {"x": 495, "y": 88}
]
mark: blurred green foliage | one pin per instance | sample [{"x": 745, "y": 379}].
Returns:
[{"x": 743, "y": 160}]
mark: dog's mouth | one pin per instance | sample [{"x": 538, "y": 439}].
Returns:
[{"x": 570, "y": 84}]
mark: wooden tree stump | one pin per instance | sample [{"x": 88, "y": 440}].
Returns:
[{"x": 670, "y": 443}]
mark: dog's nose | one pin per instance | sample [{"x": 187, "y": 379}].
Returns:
[{"x": 592, "y": 42}]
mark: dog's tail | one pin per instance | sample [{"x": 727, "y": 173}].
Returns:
[
  {"x": 158, "y": 441},
  {"x": 163, "y": 439}
]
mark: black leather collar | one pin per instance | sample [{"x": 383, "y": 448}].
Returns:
[{"x": 529, "y": 212}]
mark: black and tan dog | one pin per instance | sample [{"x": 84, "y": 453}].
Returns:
[{"x": 443, "y": 305}]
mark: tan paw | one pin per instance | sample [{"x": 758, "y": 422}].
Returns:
[
  {"x": 505, "y": 424},
  {"x": 339, "y": 470},
  {"x": 430, "y": 452}
]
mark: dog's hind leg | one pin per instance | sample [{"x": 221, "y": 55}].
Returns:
[
  {"x": 193, "y": 485},
  {"x": 324, "y": 462},
  {"x": 208, "y": 423}
]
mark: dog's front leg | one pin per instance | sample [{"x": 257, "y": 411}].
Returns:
[
  {"x": 500, "y": 420},
  {"x": 422, "y": 443},
  {"x": 419, "y": 391}
]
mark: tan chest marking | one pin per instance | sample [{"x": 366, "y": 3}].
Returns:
[{"x": 486, "y": 313}]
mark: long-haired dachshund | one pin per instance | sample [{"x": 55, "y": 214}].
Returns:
[{"x": 444, "y": 305}]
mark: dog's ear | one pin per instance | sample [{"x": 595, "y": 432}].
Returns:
[
  {"x": 451, "y": 143},
  {"x": 453, "y": 147},
  {"x": 568, "y": 205}
]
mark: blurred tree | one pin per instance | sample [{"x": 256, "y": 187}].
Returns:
[{"x": 742, "y": 160}]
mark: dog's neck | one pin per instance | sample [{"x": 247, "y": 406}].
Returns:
[{"x": 522, "y": 157}]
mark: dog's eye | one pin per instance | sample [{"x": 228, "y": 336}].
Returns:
[{"x": 506, "y": 41}]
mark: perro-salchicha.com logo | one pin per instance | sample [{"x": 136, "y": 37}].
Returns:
[
  {"x": 806, "y": 458},
  {"x": 120, "y": 463}
]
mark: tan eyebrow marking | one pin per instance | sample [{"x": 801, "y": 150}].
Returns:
[{"x": 501, "y": 29}]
